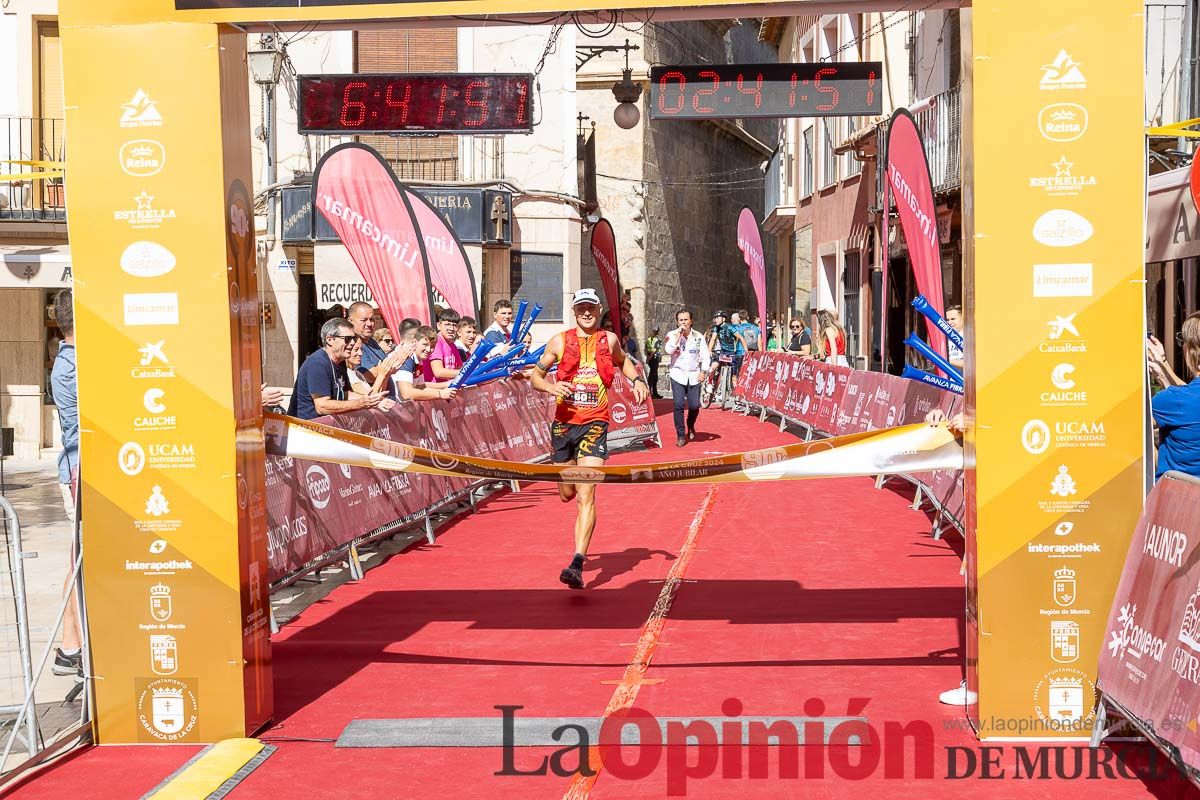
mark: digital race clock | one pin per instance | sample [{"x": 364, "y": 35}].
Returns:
[
  {"x": 722, "y": 91},
  {"x": 435, "y": 103}
]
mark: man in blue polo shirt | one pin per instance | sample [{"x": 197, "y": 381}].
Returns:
[{"x": 322, "y": 385}]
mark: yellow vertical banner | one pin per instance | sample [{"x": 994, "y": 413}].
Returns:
[
  {"x": 1056, "y": 383},
  {"x": 162, "y": 232}
]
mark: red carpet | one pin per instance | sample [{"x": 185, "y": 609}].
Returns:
[{"x": 825, "y": 596}]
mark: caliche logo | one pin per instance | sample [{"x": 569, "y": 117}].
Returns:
[
  {"x": 1063, "y": 122},
  {"x": 1035, "y": 437},
  {"x": 131, "y": 458},
  {"x": 152, "y": 400},
  {"x": 167, "y": 709},
  {"x": 1060, "y": 376},
  {"x": 1060, "y": 227},
  {"x": 1132, "y": 639},
  {"x": 142, "y": 158},
  {"x": 147, "y": 260},
  {"x": 319, "y": 487},
  {"x": 159, "y": 308},
  {"x": 1062, "y": 280},
  {"x": 140, "y": 112},
  {"x": 619, "y": 413},
  {"x": 1062, "y": 73}
]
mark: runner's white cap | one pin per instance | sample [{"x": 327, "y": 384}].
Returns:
[{"x": 585, "y": 296}]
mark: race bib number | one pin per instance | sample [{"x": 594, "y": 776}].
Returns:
[{"x": 585, "y": 395}]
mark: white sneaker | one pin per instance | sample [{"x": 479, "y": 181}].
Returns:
[{"x": 962, "y": 696}]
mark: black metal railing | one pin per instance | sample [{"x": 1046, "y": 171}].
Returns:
[
  {"x": 25, "y": 139},
  {"x": 941, "y": 129}
]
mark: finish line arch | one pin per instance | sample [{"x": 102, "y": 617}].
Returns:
[{"x": 204, "y": 670}]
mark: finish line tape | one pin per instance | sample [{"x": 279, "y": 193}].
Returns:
[{"x": 904, "y": 450}]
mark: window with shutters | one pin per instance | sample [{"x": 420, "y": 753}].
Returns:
[{"x": 429, "y": 158}]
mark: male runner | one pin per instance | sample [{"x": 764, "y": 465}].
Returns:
[{"x": 587, "y": 359}]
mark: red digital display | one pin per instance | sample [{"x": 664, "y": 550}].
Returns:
[
  {"x": 435, "y": 103},
  {"x": 730, "y": 91}
]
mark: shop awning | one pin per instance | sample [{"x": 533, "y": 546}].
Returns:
[
  {"x": 35, "y": 266},
  {"x": 1172, "y": 223}
]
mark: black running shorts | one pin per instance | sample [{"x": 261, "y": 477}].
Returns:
[{"x": 572, "y": 442}]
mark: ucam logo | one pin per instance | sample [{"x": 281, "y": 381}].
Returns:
[
  {"x": 131, "y": 458},
  {"x": 1063, "y": 122},
  {"x": 1060, "y": 227},
  {"x": 147, "y": 260},
  {"x": 319, "y": 488},
  {"x": 1035, "y": 437}
]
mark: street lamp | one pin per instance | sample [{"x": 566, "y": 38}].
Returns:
[
  {"x": 265, "y": 66},
  {"x": 627, "y": 93}
]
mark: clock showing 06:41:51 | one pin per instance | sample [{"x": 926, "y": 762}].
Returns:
[{"x": 728, "y": 91}]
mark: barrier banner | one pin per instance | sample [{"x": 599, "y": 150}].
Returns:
[
  {"x": 1150, "y": 660},
  {"x": 356, "y": 190},
  {"x": 804, "y": 389},
  {"x": 314, "y": 508},
  {"x": 899, "y": 450},
  {"x": 631, "y": 421}
]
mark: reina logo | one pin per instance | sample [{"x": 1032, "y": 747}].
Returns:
[
  {"x": 142, "y": 158},
  {"x": 1063, "y": 122}
]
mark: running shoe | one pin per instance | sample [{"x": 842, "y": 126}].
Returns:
[
  {"x": 572, "y": 577},
  {"x": 67, "y": 665}
]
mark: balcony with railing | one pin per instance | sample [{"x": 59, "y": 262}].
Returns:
[
  {"x": 26, "y": 144},
  {"x": 432, "y": 159},
  {"x": 941, "y": 129},
  {"x": 780, "y": 193}
]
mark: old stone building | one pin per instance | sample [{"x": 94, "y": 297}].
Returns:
[{"x": 672, "y": 189}]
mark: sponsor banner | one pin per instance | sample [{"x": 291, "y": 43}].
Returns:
[
  {"x": 912, "y": 190},
  {"x": 604, "y": 253},
  {"x": 895, "y": 451},
  {"x": 630, "y": 421},
  {"x": 356, "y": 190},
  {"x": 1056, "y": 382},
  {"x": 749, "y": 241},
  {"x": 1150, "y": 659},
  {"x": 449, "y": 269}
]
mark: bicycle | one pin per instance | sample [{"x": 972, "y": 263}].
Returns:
[{"x": 719, "y": 383}]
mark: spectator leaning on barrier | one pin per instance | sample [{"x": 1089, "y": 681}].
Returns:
[
  {"x": 362, "y": 317},
  {"x": 410, "y": 380},
  {"x": 322, "y": 385},
  {"x": 384, "y": 339},
  {"x": 362, "y": 382},
  {"x": 68, "y": 659},
  {"x": 954, "y": 316},
  {"x": 444, "y": 361},
  {"x": 1176, "y": 409},
  {"x": 800, "y": 342},
  {"x": 502, "y": 316},
  {"x": 468, "y": 331},
  {"x": 690, "y": 365}
]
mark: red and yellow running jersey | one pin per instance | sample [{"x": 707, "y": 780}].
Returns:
[{"x": 588, "y": 401}]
